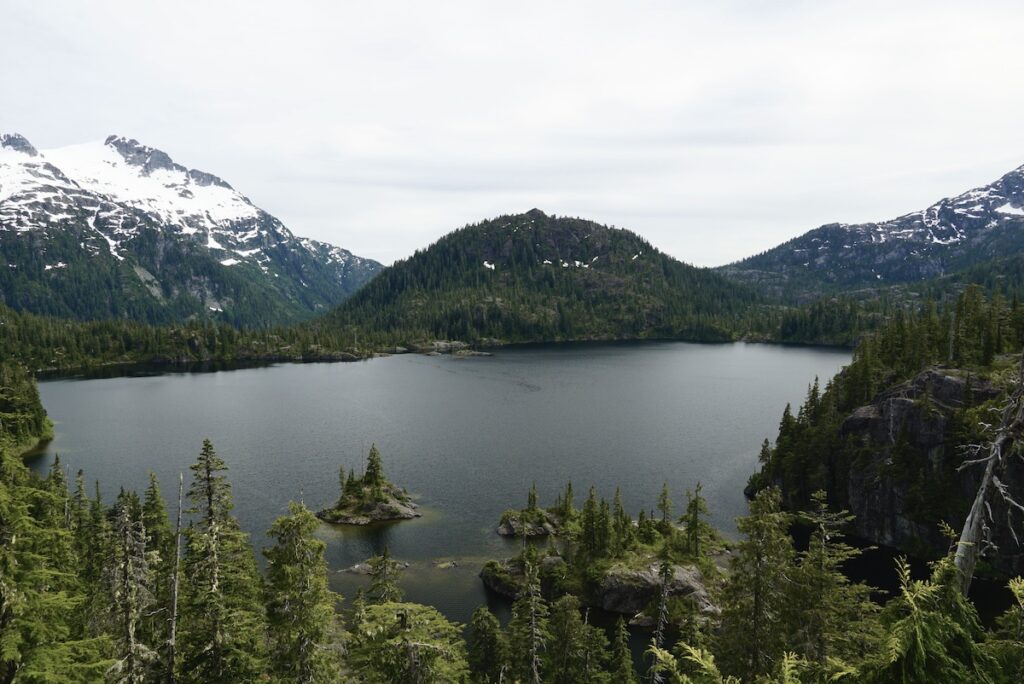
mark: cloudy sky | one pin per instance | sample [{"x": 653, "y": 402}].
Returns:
[{"x": 715, "y": 129}]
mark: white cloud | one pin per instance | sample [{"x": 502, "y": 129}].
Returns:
[{"x": 715, "y": 131}]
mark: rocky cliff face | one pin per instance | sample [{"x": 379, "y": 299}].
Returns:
[{"x": 900, "y": 476}]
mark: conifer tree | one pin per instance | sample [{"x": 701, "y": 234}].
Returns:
[
  {"x": 828, "y": 614},
  {"x": 932, "y": 633},
  {"x": 374, "y": 475},
  {"x": 223, "y": 623},
  {"x": 568, "y": 507},
  {"x": 697, "y": 530},
  {"x": 127, "y": 583},
  {"x": 621, "y": 664},
  {"x": 754, "y": 596},
  {"x": 531, "y": 499},
  {"x": 488, "y": 648},
  {"x": 528, "y": 629},
  {"x": 622, "y": 526},
  {"x": 566, "y": 655},
  {"x": 300, "y": 606},
  {"x": 665, "y": 504},
  {"x": 160, "y": 543},
  {"x": 384, "y": 574}
]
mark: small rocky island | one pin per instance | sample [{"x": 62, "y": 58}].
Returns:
[
  {"x": 534, "y": 521},
  {"x": 370, "y": 498}
]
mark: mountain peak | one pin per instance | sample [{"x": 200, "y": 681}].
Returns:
[{"x": 18, "y": 143}]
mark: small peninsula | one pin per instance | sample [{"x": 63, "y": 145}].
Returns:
[{"x": 370, "y": 498}]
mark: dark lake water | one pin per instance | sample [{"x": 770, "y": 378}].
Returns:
[{"x": 466, "y": 436}]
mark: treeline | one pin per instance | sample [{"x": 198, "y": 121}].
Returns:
[
  {"x": 809, "y": 452},
  {"x": 44, "y": 343},
  {"x": 120, "y": 592},
  {"x": 95, "y": 592}
]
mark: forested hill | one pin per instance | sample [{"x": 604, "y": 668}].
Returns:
[{"x": 534, "y": 277}]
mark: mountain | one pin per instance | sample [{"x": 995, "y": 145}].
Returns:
[
  {"x": 533, "y": 277},
  {"x": 951, "y": 235},
  {"x": 115, "y": 229}
]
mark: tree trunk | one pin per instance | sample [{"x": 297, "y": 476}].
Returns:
[{"x": 968, "y": 548}]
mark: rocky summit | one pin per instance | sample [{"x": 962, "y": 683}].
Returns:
[
  {"x": 952, "y": 234},
  {"x": 119, "y": 229}
]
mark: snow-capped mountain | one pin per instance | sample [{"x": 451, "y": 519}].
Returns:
[
  {"x": 152, "y": 239},
  {"x": 954, "y": 233}
]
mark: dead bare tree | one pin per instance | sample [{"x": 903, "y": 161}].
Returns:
[{"x": 994, "y": 455}]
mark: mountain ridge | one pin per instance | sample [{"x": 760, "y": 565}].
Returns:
[
  {"x": 950, "y": 235},
  {"x": 154, "y": 239}
]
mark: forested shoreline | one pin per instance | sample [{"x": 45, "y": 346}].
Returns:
[{"x": 117, "y": 591}]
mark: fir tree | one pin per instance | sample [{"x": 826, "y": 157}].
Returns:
[
  {"x": 621, "y": 664},
  {"x": 665, "y": 504},
  {"x": 754, "y": 597},
  {"x": 488, "y": 648},
  {"x": 528, "y": 629},
  {"x": 127, "y": 583},
  {"x": 160, "y": 556},
  {"x": 384, "y": 574},
  {"x": 568, "y": 508},
  {"x": 829, "y": 616},
  {"x": 374, "y": 475},
  {"x": 566, "y": 655},
  {"x": 300, "y": 606},
  {"x": 223, "y": 623},
  {"x": 697, "y": 530}
]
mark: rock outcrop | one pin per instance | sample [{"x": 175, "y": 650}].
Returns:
[
  {"x": 623, "y": 590},
  {"x": 905, "y": 477}
]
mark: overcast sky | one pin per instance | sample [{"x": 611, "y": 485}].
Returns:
[{"x": 716, "y": 130}]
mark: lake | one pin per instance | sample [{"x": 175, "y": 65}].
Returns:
[{"x": 467, "y": 436}]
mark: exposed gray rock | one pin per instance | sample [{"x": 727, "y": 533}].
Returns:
[
  {"x": 630, "y": 591},
  {"x": 922, "y": 410}
]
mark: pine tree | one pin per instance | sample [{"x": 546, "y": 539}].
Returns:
[
  {"x": 829, "y": 616},
  {"x": 488, "y": 648},
  {"x": 621, "y": 665},
  {"x": 223, "y": 623},
  {"x": 698, "y": 532},
  {"x": 565, "y": 658},
  {"x": 300, "y": 606},
  {"x": 754, "y": 596},
  {"x": 589, "y": 543},
  {"x": 374, "y": 476},
  {"x": 568, "y": 508},
  {"x": 160, "y": 552},
  {"x": 665, "y": 504},
  {"x": 384, "y": 574},
  {"x": 127, "y": 583},
  {"x": 623, "y": 534},
  {"x": 531, "y": 499},
  {"x": 528, "y": 629}
]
